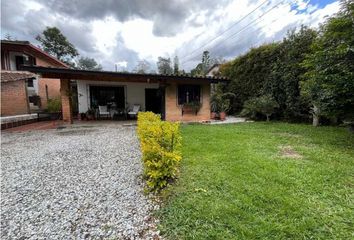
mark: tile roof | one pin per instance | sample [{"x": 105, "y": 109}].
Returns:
[{"x": 11, "y": 76}]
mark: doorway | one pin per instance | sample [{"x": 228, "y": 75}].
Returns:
[{"x": 155, "y": 101}]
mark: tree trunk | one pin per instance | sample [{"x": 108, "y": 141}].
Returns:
[
  {"x": 315, "y": 120},
  {"x": 267, "y": 117},
  {"x": 315, "y": 116}
]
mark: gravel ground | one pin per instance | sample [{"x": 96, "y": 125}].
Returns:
[{"x": 82, "y": 182}]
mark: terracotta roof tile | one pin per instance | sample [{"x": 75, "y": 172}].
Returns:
[{"x": 11, "y": 76}]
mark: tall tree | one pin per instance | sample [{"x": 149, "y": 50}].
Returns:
[
  {"x": 86, "y": 63},
  {"x": 164, "y": 65},
  {"x": 143, "y": 66},
  {"x": 283, "y": 83},
  {"x": 202, "y": 68},
  {"x": 329, "y": 80},
  {"x": 56, "y": 44},
  {"x": 175, "y": 65},
  {"x": 206, "y": 62}
]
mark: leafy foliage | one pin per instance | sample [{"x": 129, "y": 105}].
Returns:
[
  {"x": 56, "y": 44},
  {"x": 160, "y": 144},
  {"x": 176, "y": 65},
  {"x": 220, "y": 100},
  {"x": 329, "y": 80},
  {"x": 273, "y": 69},
  {"x": 264, "y": 105},
  {"x": 164, "y": 65},
  {"x": 143, "y": 66},
  {"x": 54, "y": 105},
  {"x": 86, "y": 63}
]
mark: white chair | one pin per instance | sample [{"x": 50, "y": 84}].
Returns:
[
  {"x": 134, "y": 111},
  {"x": 103, "y": 111}
]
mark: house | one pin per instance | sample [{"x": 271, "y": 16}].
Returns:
[
  {"x": 213, "y": 70},
  {"x": 38, "y": 90},
  {"x": 175, "y": 97}
]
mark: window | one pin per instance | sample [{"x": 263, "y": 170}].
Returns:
[
  {"x": 188, "y": 94},
  {"x": 30, "y": 83},
  {"x": 24, "y": 60}
]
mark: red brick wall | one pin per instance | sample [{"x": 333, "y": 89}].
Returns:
[
  {"x": 53, "y": 84},
  {"x": 14, "y": 98},
  {"x": 174, "y": 112}
]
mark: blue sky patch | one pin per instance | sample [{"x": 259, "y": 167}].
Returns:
[{"x": 318, "y": 3}]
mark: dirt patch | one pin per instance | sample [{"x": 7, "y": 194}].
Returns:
[{"x": 289, "y": 152}]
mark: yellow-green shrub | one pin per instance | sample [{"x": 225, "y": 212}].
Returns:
[{"x": 160, "y": 143}]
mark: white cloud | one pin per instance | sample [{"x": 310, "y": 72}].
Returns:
[{"x": 123, "y": 41}]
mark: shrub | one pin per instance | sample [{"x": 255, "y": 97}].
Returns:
[
  {"x": 264, "y": 105},
  {"x": 54, "y": 105},
  {"x": 160, "y": 143}
]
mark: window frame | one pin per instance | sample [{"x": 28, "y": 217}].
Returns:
[{"x": 194, "y": 85}]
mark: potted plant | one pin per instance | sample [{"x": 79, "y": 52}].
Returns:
[
  {"x": 224, "y": 107},
  {"x": 214, "y": 105},
  {"x": 82, "y": 116},
  {"x": 54, "y": 108},
  {"x": 220, "y": 101},
  {"x": 90, "y": 114}
]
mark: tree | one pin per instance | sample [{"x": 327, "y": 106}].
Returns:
[
  {"x": 175, "y": 65},
  {"x": 264, "y": 105},
  {"x": 284, "y": 80},
  {"x": 164, "y": 65},
  {"x": 143, "y": 66},
  {"x": 9, "y": 37},
  {"x": 86, "y": 63},
  {"x": 56, "y": 44},
  {"x": 329, "y": 80},
  {"x": 202, "y": 68},
  {"x": 249, "y": 73},
  {"x": 205, "y": 62},
  {"x": 198, "y": 70}
]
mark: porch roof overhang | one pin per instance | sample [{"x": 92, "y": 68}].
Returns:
[{"x": 75, "y": 74}]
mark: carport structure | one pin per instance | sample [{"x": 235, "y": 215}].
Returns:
[{"x": 170, "y": 95}]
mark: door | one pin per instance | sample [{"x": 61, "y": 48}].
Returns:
[{"x": 154, "y": 100}]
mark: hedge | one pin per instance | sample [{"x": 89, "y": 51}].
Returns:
[{"x": 160, "y": 143}]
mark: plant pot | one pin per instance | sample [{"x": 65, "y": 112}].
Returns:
[
  {"x": 90, "y": 117},
  {"x": 189, "y": 110},
  {"x": 222, "y": 116},
  {"x": 213, "y": 115},
  {"x": 54, "y": 115}
]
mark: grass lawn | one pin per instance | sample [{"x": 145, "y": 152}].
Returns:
[{"x": 262, "y": 181}]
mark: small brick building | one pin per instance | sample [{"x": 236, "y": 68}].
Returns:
[
  {"x": 38, "y": 89},
  {"x": 176, "y": 97},
  {"x": 14, "y": 98}
]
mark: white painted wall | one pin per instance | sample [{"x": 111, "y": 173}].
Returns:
[{"x": 134, "y": 92}]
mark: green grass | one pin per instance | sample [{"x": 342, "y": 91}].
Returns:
[{"x": 235, "y": 183}]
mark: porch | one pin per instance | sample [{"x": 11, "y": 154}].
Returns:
[{"x": 176, "y": 97}]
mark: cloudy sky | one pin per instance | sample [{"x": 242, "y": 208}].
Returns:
[{"x": 123, "y": 32}]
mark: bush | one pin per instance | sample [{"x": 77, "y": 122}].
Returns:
[
  {"x": 160, "y": 143},
  {"x": 264, "y": 105},
  {"x": 54, "y": 105}
]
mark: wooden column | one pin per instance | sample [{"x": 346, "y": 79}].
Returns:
[{"x": 66, "y": 100}]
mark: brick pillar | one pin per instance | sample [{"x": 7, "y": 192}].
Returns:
[{"x": 66, "y": 100}]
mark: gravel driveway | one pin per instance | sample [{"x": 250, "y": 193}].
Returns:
[{"x": 82, "y": 182}]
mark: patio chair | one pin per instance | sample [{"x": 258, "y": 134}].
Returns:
[
  {"x": 134, "y": 112},
  {"x": 103, "y": 111}
]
